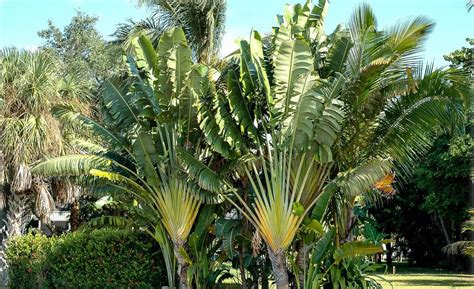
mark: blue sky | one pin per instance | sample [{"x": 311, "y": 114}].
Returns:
[{"x": 20, "y": 20}]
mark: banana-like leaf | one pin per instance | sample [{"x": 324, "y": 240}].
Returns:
[
  {"x": 65, "y": 114},
  {"x": 338, "y": 52},
  {"x": 172, "y": 44},
  {"x": 72, "y": 165},
  {"x": 248, "y": 71},
  {"x": 329, "y": 124},
  {"x": 315, "y": 22},
  {"x": 228, "y": 230},
  {"x": 220, "y": 132},
  {"x": 299, "y": 122},
  {"x": 293, "y": 60},
  {"x": 239, "y": 107},
  {"x": 120, "y": 104},
  {"x": 144, "y": 152},
  {"x": 322, "y": 247},
  {"x": 256, "y": 51},
  {"x": 207, "y": 178},
  {"x": 112, "y": 221},
  {"x": 321, "y": 205},
  {"x": 89, "y": 146},
  {"x": 228, "y": 129},
  {"x": 204, "y": 220},
  {"x": 356, "y": 248},
  {"x": 133, "y": 187},
  {"x": 362, "y": 178},
  {"x": 149, "y": 54}
]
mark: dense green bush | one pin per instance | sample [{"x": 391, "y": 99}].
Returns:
[{"x": 96, "y": 259}]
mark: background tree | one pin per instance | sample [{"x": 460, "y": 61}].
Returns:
[
  {"x": 463, "y": 58},
  {"x": 30, "y": 84},
  {"x": 434, "y": 200},
  {"x": 433, "y": 204},
  {"x": 81, "y": 49},
  {"x": 202, "y": 21}
]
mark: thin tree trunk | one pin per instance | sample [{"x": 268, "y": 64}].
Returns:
[
  {"x": 241, "y": 257},
  {"x": 280, "y": 273},
  {"x": 443, "y": 229},
  {"x": 302, "y": 261},
  {"x": 242, "y": 269},
  {"x": 389, "y": 254}
]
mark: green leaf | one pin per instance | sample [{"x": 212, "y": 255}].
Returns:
[
  {"x": 356, "y": 248},
  {"x": 362, "y": 178},
  {"x": 256, "y": 50},
  {"x": 227, "y": 230},
  {"x": 323, "y": 201},
  {"x": 315, "y": 226},
  {"x": 147, "y": 158},
  {"x": 119, "y": 104},
  {"x": 149, "y": 54},
  {"x": 294, "y": 59},
  {"x": 204, "y": 220},
  {"x": 239, "y": 106},
  {"x": 65, "y": 114},
  {"x": 322, "y": 247},
  {"x": 184, "y": 254},
  {"x": 248, "y": 73},
  {"x": 72, "y": 165},
  {"x": 338, "y": 52},
  {"x": 207, "y": 178}
]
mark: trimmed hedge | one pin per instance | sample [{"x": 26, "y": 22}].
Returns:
[{"x": 105, "y": 258}]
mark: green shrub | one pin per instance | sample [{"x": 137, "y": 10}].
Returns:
[
  {"x": 103, "y": 258},
  {"x": 26, "y": 256}
]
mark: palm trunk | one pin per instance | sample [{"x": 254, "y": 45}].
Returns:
[
  {"x": 182, "y": 268},
  {"x": 17, "y": 214},
  {"x": 302, "y": 261},
  {"x": 280, "y": 273},
  {"x": 74, "y": 218},
  {"x": 2, "y": 169}
]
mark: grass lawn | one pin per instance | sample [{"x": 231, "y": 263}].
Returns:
[
  {"x": 411, "y": 278},
  {"x": 420, "y": 278}
]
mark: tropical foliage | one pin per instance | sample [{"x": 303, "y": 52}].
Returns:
[
  {"x": 201, "y": 20},
  {"x": 31, "y": 83},
  {"x": 268, "y": 159}
]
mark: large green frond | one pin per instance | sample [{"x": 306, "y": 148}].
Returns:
[{"x": 72, "y": 165}]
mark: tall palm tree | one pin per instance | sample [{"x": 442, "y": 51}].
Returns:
[
  {"x": 202, "y": 21},
  {"x": 30, "y": 84},
  {"x": 352, "y": 102},
  {"x": 308, "y": 117},
  {"x": 150, "y": 131}
]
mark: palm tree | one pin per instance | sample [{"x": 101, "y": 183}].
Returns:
[
  {"x": 30, "y": 84},
  {"x": 150, "y": 131},
  {"x": 336, "y": 114},
  {"x": 202, "y": 21},
  {"x": 306, "y": 119}
]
